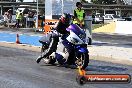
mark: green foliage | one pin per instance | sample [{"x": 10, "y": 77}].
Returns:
[
  {"x": 83, "y": 1},
  {"x": 104, "y": 1},
  {"x": 21, "y": 0}
]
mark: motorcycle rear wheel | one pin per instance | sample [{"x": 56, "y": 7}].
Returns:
[{"x": 48, "y": 60}]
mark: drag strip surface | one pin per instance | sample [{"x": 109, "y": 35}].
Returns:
[
  {"x": 123, "y": 40},
  {"x": 18, "y": 69}
]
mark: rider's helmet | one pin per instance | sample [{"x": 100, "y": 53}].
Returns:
[
  {"x": 66, "y": 19},
  {"x": 78, "y": 3}
]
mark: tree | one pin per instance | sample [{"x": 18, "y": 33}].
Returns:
[
  {"x": 83, "y": 1},
  {"x": 104, "y": 1},
  {"x": 20, "y": 0}
]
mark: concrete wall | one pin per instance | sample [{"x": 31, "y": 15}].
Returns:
[
  {"x": 108, "y": 28},
  {"x": 121, "y": 27}
]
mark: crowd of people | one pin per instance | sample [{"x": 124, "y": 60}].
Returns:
[
  {"x": 22, "y": 19},
  {"x": 28, "y": 19}
]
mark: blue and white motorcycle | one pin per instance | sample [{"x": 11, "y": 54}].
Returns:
[{"x": 78, "y": 40}]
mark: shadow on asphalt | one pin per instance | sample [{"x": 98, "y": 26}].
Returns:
[
  {"x": 105, "y": 68},
  {"x": 125, "y": 45},
  {"x": 92, "y": 68},
  {"x": 57, "y": 65},
  {"x": 99, "y": 44}
]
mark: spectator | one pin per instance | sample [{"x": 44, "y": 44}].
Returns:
[
  {"x": 30, "y": 21},
  {"x": 5, "y": 19},
  {"x": 42, "y": 23},
  {"x": 9, "y": 16}
]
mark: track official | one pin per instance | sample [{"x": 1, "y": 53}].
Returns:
[{"x": 79, "y": 15}]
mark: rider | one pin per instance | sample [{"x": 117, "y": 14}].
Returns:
[{"x": 60, "y": 28}]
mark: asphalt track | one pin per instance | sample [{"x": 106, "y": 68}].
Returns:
[
  {"x": 118, "y": 39},
  {"x": 18, "y": 69}
]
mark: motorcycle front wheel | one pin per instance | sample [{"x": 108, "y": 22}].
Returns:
[{"x": 82, "y": 60}]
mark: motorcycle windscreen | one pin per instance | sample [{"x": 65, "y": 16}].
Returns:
[{"x": 77, "y": 30}]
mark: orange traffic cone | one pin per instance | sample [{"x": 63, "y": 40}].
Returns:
[{"x": 17, "y": 39}]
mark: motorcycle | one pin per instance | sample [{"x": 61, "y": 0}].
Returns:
[{"x": 77, "y": 39}]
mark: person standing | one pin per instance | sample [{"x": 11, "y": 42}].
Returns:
[
  {"x": 5, "y": 19},
  {"x": 30, "y": 21},
  {"x": 79, "y": 15},
  {"x": 9, "y": 15},
  {"x": 18, "y": 19}
]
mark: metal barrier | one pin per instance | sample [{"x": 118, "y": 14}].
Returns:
[
  {"x": 88, "y": 28},
  {"x": 29, "y": 20}
]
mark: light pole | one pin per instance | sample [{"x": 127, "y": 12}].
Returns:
[
  {"x": 37, "y": 17},
  {"x": 62, "y": 6},
  {"x": 117, "y": 1}
]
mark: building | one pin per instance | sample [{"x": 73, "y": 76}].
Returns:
[
  {"x": 5, "y": 5},
  {"x": 4, "y": 8}
]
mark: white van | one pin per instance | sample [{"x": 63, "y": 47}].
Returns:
[{"x": 112, "y": 18}]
